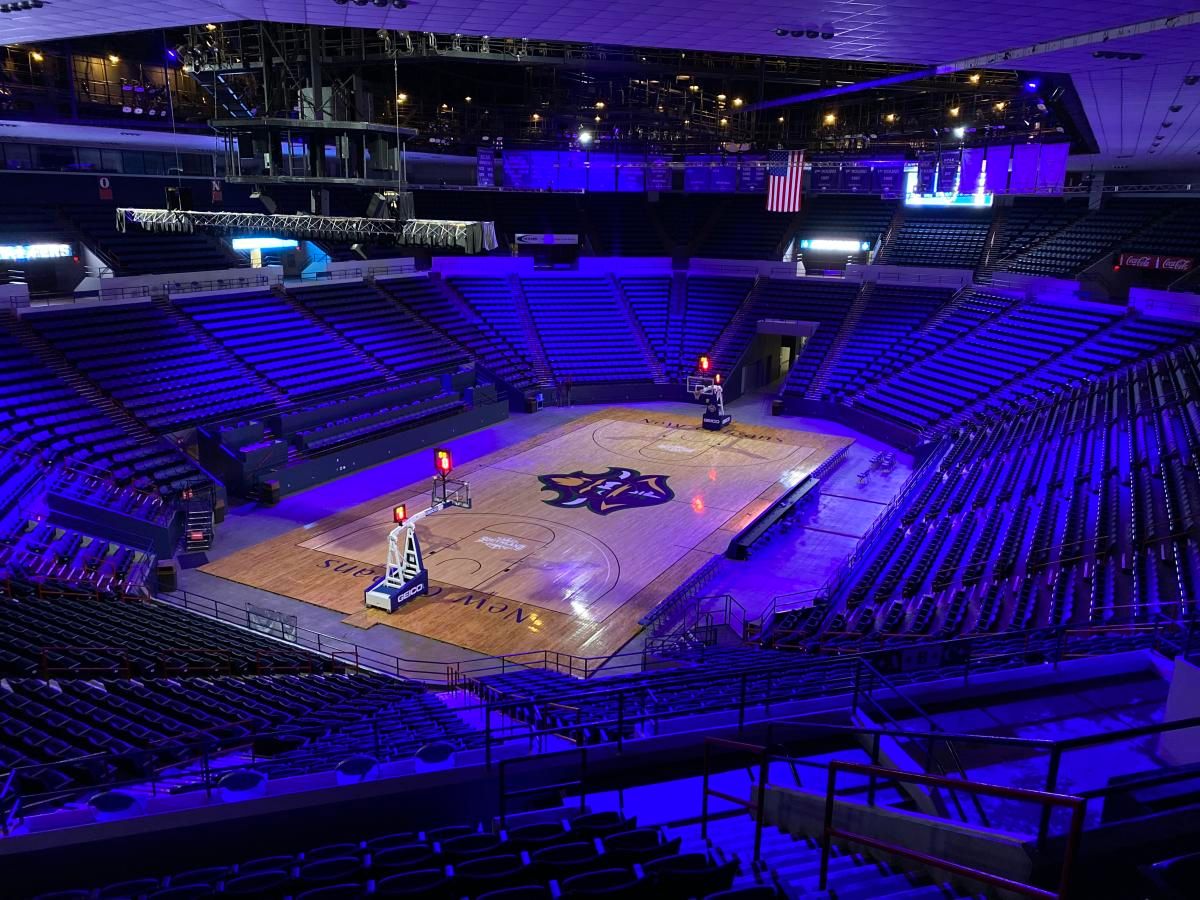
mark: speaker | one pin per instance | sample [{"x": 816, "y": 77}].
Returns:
[{"x": 179, "y": 198}]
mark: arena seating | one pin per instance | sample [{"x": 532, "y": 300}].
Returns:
[
  {"x": 942, "y": 239},
  {"x": 300, "y": 357},
  {"x": 650, "y": 298},
  {"x": 711, "y": 303},
  {"x": 56, "y": 424},
  {"x": 1078, "y": 507},
  {"x": 981, "y": 362},
  {"x": 624, "y": 225},
  {"x": 584, "y": 329},
  {"x": 890, "y": 313},
  {"x": 461, "y": 324},
  {"x": 809, "y": 300},
  {"x": 1030, "y": 221},
  {"x": 494, "y": 301},
  {"x": 580, "y": 855},
  {"x": 361, "y": 315},
  {"x": 163, "y": 370},
  {"x": 138, "y": 252},
  {"x": 1073, "y": 248},
  {"x": 745, "y": 231},
  {"x": 136, "y": 680}
]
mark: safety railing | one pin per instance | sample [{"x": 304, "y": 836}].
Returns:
[
  {"x": 1046, "y": 799},
  {"x": 507, "y": 794}
]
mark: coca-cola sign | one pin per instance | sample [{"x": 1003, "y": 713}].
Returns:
[{"x": 1154, "y": 261}]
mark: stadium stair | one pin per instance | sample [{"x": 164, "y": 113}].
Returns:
[
  {"x": 817, "y": 386},
  {"x": 729, "y": 346},
  {"x": 542, "y": 372},
  {"x": 386, "y": 373},
  {"x": 653, "y": 363}
]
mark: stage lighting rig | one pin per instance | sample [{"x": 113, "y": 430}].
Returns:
[{"x": 21, "y": 6}]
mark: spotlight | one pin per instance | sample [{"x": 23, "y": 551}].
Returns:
[
  {"x": 973, "y": 78},
  {"x": 737, "y": 101},
  {"x": 781, "y": 120},
  {"x": 723, "y": 123},
  {"x": 599, "y": 104},
  {"x": 960, "y": 132},
  {"x": 1032, "y": 85},
  {"x": 721, "y": 97},
  {"x": 113, "y": 58},
  {"x": 37, "y": 57},
  {"x": 954, "y": 112},
  {"x": 890, "y": 118},
  {"x": 402, "y": 98},
  {"x": 585, "y": 137},
  {"x": 597, "y": 118},
  {"x": 1000, "y": 106},
  {"x": 210, "y": 27},
  {"x": 830, "y": 119},
  {"x": 536, "y": 117}
]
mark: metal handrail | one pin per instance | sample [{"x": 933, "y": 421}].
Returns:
[{"x": 1046, "y": 799}]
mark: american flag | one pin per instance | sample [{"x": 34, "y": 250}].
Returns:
[{"x": 785, "y": 172}]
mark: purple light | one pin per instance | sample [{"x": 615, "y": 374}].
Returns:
[
  {"x": 172, "y": 55},
  {"x": 1031, "y": 85}
]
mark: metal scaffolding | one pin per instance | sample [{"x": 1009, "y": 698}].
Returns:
[{"x": 469, "y": 236}]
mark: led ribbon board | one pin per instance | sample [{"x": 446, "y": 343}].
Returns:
[{"x": 23, "y": 252}]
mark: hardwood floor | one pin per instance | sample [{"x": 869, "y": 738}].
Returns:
[{"x": 567, "y": 563}]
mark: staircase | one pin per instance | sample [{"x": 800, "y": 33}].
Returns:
[
  {"x": 57, "y": 363},
  {"x": 198, "y": 522},
  {"x": 821, "y": 377},
  {"x": 889, "y": 236},
  {"x": 542, "y": 372},
  {"x": 793, "y": 865},
  {"x": 353, "y": 349},
  {"x": 722, "y": 349},
  {"x": 996, "y": 239},
  {"x": 224, "y": 96},
  {"x": 653, "y": 363},
  {"x": 267, "y": 388}
]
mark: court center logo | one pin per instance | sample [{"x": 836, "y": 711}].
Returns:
[{"x": 608, "y": 491}]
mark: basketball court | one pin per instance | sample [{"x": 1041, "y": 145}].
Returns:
[{"x": 573, "y": 535}]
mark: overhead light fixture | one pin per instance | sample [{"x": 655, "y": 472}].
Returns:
[
  {"x": 599, "y": 104},
  {"x": 210, "y": 27},
  {"x": 830, "y": 119},
  {"x": 467, "y": 99},
  {"x": 737, "y": 101},
  {"x": 781, "y": 120},
  {"x": 113, "y": 58},
  {"x": 724, "y": 122},
  {"x": 21, "y": 6},
  {"x": 960, "y": 132},
  {"x": 585, "y": 137},
  {"x": 973, "y": 78},
  {"x": 890, "y": 118},
  {"x": 1032, "y": 85},
  {"x": 536, "y": 117},
  {"x": 402, "y": 98},
  {"x": 1000, "y": 106},
  {"x": 693, "y": 87},
  {"x": 721, "y": 97},
  {"x": 954, "y": 110},
  {"x": 36, "y": 57}
]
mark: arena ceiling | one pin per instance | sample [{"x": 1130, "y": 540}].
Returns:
[{"x": 1127, "y": 100}]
